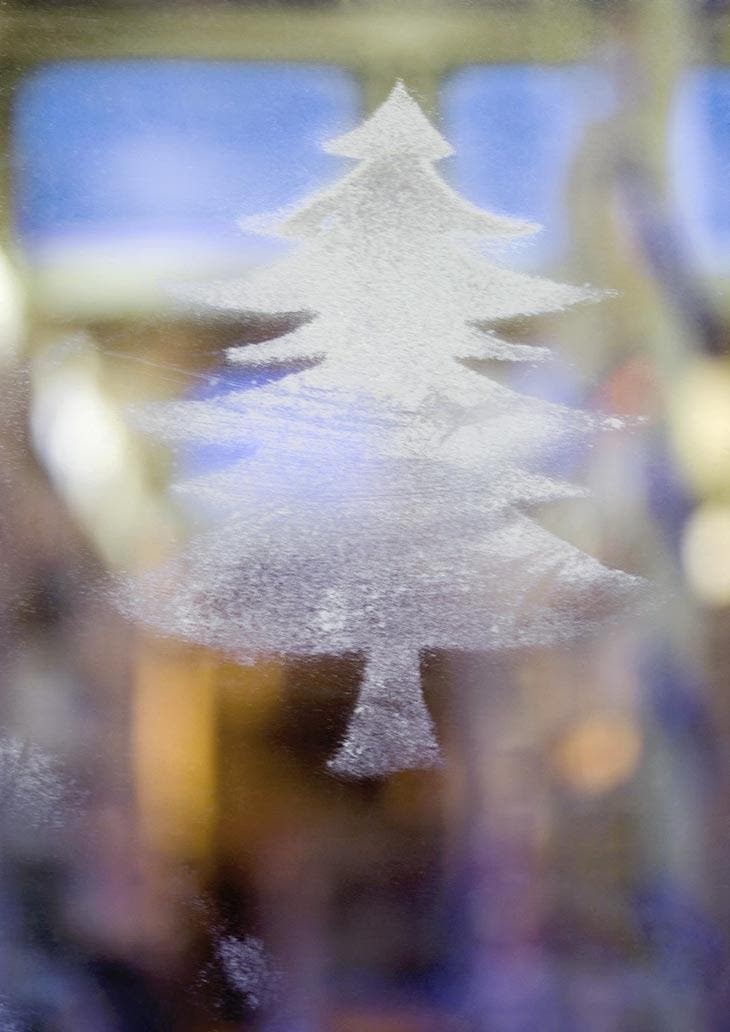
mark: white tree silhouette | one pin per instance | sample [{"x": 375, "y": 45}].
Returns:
[{"x": 384, "y": 507}]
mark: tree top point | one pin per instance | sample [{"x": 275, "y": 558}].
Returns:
[{"x": 397, "y": 126}]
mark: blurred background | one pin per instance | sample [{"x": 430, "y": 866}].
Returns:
[{"x": 174, "y": 855}]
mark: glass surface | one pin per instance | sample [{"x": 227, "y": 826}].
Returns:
[
  {"x": 517, "y": 129},
  {"x": 176, "y": 852},
  {"x": 169, "y": 155},
  {"x": 700, "y": 151}
]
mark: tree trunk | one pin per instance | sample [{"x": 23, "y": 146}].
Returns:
[{"x": 390, "y": 729}]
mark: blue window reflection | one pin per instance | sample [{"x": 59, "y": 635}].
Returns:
[
  {"x": 171, "y": 151},
  {"x": 700, "y": 152},
  {"x": 516, "y": 129}
]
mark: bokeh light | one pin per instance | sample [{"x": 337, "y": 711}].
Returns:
[
  {"x": 699, "y": 415},
  {"x": 706, "y": 554},
  {"x": 597, "y": 754}
]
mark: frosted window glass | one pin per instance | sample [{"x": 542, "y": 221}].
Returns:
[
  {"x": 170, "y": 151},
  {"x": 516, "y": 129},
  {"x": 700, "y": 158}
]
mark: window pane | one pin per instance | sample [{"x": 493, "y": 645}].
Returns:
[
  {"x": 515, "y": 129},
  {"x": 159, "y": 160},
  {"x": 701, "y": 164}
]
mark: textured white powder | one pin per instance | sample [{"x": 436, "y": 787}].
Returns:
[
  {"x": 8, "y": 1020},
  {"x": 34, "y": 790},
  {"x": 385, "y": 506},
  {"x": 249, "y": 969}
]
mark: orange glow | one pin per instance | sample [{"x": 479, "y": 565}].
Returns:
[
  {"x": 598, "y": 753},
  {"x": 173, "y": 729}
]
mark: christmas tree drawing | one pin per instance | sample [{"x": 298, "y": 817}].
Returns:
[{"x": 384, "y": 505}]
